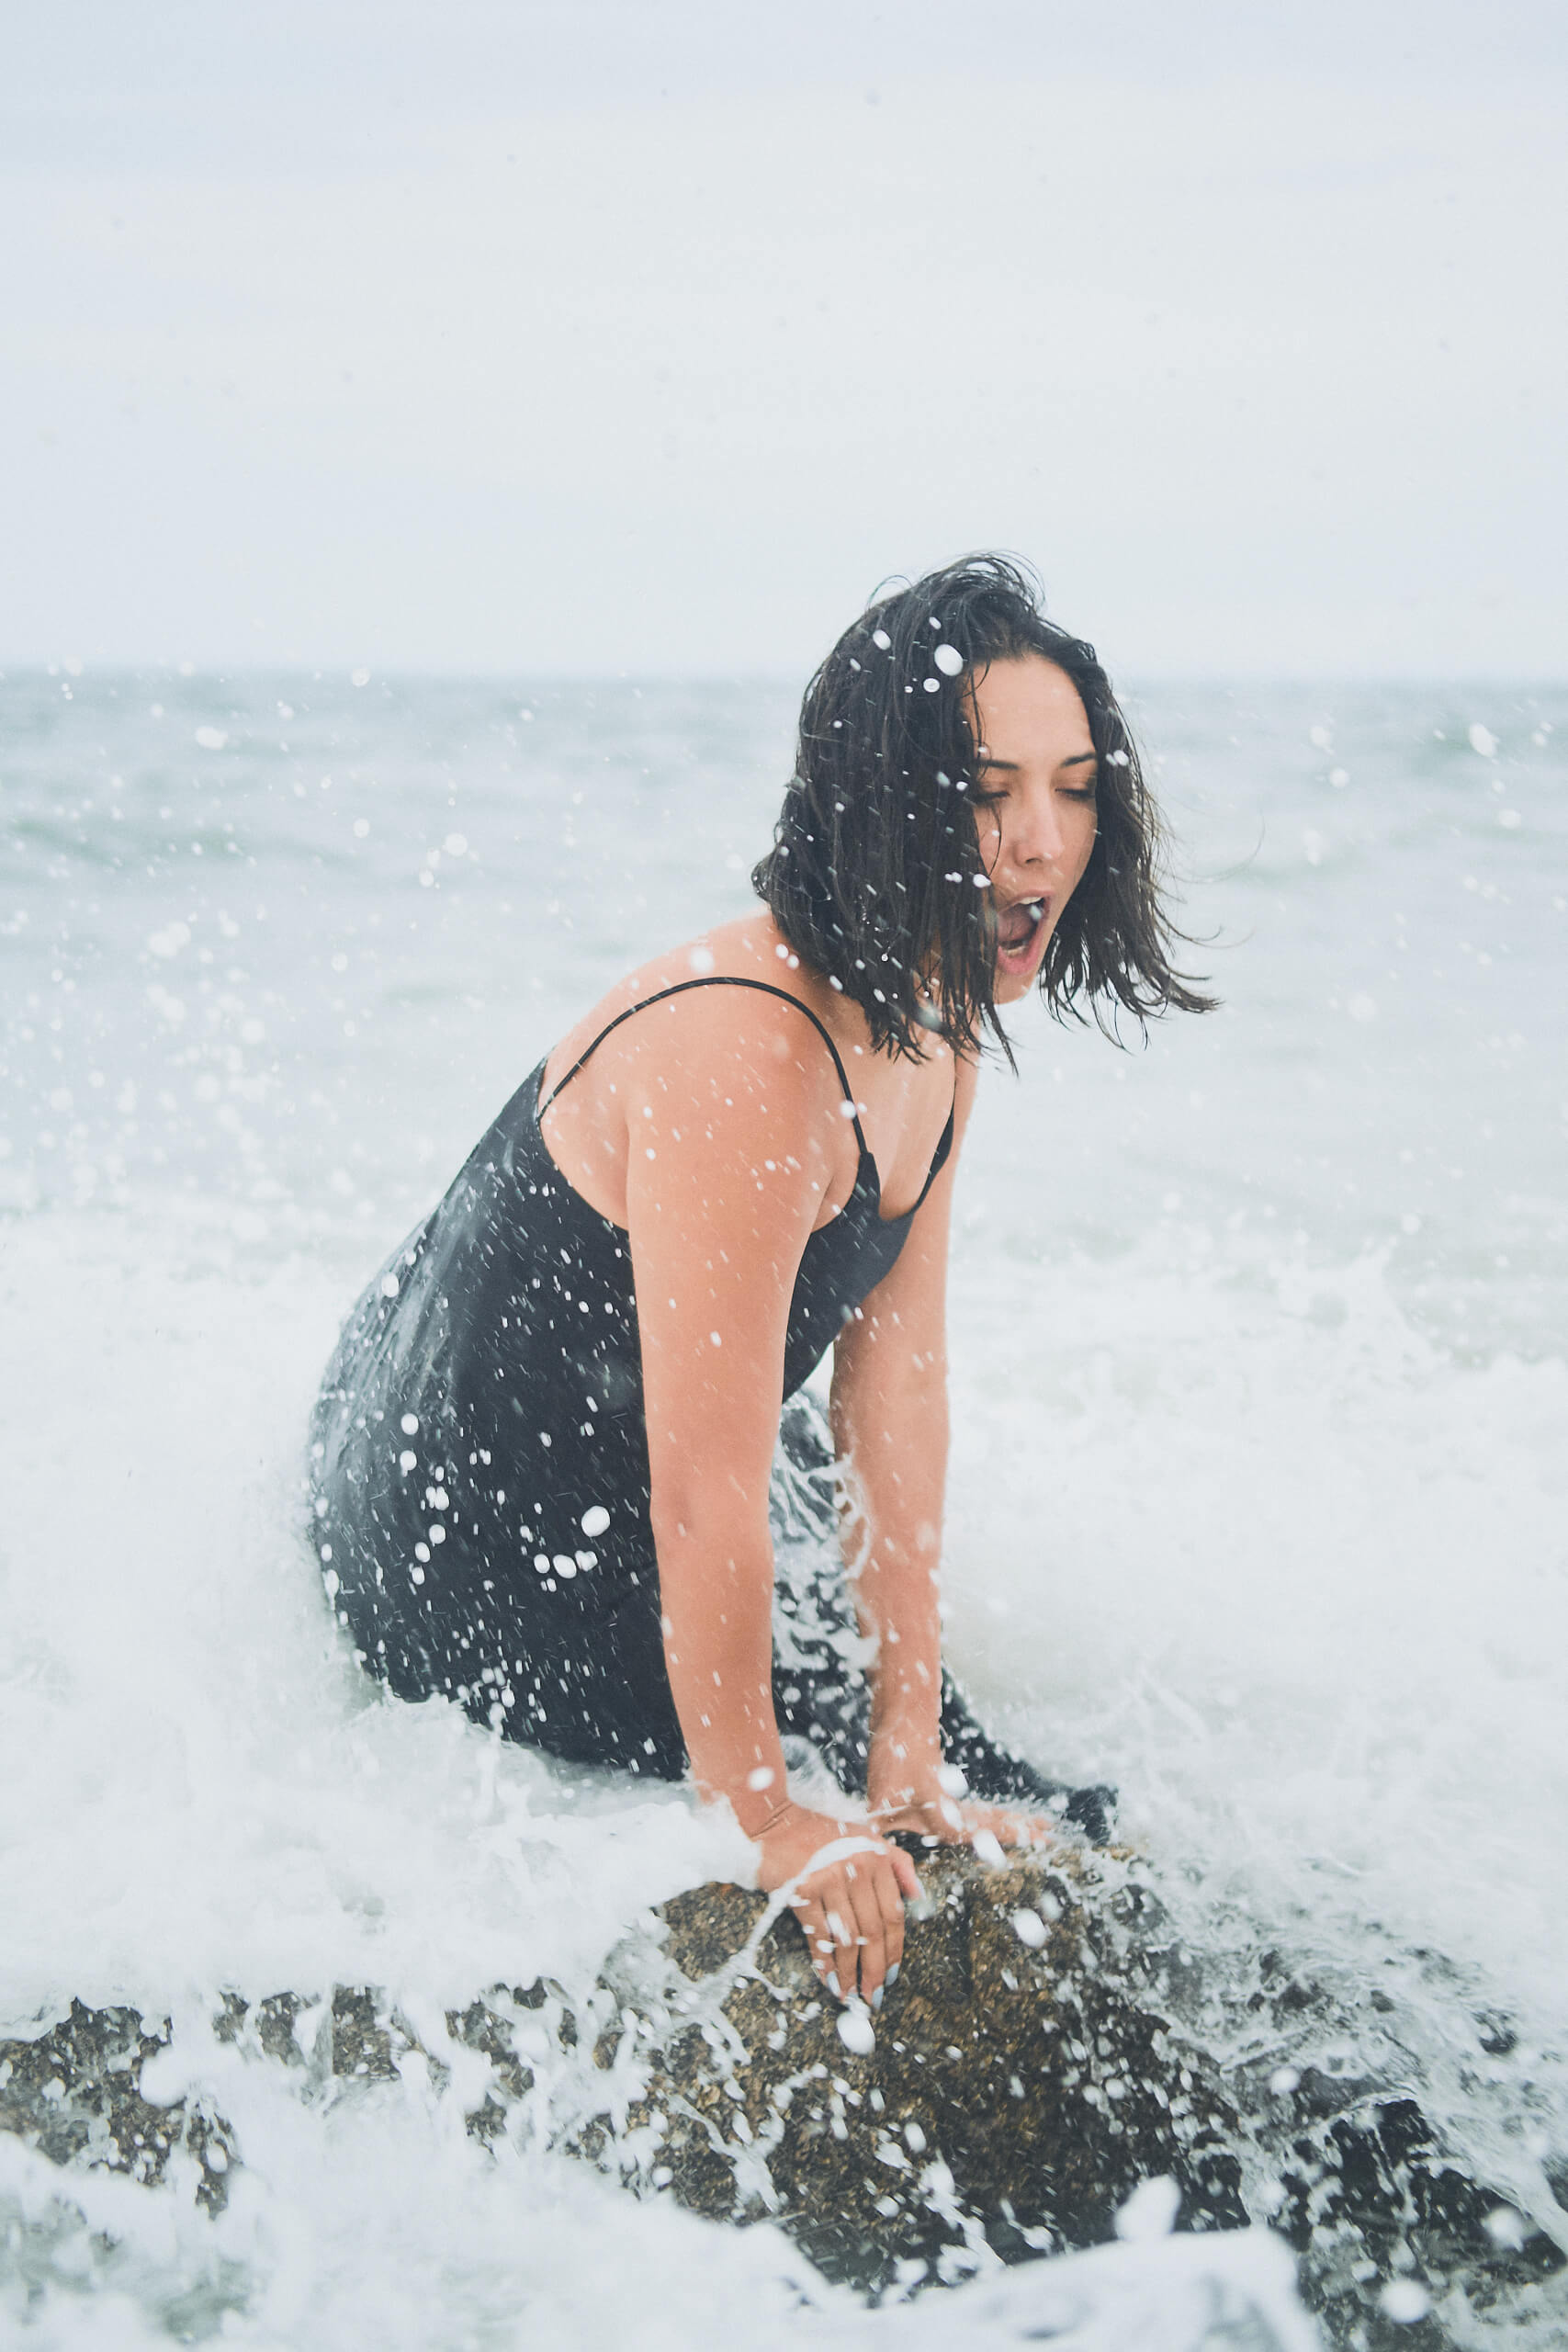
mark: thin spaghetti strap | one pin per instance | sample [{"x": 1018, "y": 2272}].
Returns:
[
  {"x": 717, "y": 980},
  {"x": 944, "y": 1147}
]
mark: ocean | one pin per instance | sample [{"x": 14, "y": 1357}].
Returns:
[{"x": 1260, "y": 1497}]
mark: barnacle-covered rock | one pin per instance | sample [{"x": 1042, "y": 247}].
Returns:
[
  {"x": 1049, "y": 2047},
  {"x": 74, "y": 2093},
  {"x": 1014, "y": 2089}
]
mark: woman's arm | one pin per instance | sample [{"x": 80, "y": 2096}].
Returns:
[
  {"x": 890, "y": 1428},
  {"x": 731, "y": 1143}
]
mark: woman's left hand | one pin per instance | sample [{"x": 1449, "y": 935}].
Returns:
[{"x": 924, "y": 1809}]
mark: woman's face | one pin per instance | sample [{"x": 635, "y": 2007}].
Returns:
[{"x": 1035, "y": 812}]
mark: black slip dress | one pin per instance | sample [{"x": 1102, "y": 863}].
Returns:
[{"x": 480, "y": 1479}]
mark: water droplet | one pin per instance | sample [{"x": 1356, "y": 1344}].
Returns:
[{"x": 856, "y": 2030}]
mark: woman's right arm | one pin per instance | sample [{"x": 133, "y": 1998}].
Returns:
[{"x": 731, "y": 1126}]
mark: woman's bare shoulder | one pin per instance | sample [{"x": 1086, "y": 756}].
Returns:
[
  {"x": 749, "y": 950},
  {"x": 750, "y": 947}
]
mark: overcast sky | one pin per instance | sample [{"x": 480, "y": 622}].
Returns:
[{"x": 648, "y": 338}]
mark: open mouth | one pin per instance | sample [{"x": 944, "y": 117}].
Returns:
[{"x": 1019, "y": 931}]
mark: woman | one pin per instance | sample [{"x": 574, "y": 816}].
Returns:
[{"x": 544, "y": 1465}]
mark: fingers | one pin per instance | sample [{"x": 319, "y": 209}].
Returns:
[
  {"x": 889, "y": 1895},
  {"x": 828, "y": 1922},
  {"x": 827, "y": 1919},
  {"x": 840, "y": 1904},
  {"x": 814, "y": 1928},
  {"x": 1008, "y": 1828},
  {"x": 1037, "y": 1829},
  {"x": 871, "y": 1926},
  {"x": 852, "y": 1915},
  {"x": 990, "y": 1828},
  {"x": 906, "y": 1877},
  {"x": 850, "y": 1895}
]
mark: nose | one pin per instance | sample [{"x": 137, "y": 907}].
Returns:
[{"x": 1034, "y": 836}]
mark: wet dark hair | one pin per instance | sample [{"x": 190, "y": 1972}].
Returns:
[{"x": 873, "y": 874}]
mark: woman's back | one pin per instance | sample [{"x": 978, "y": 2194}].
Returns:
[
  {"x": 618, "y": 1066},
  {"x": 485, "y": 1408}
]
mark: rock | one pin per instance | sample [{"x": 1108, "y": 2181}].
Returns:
[
  {"x": 75, "y": 2094},
  {"x": 1048, "y": 2048},
  {"x": 1371, "y": 2200},
  {"x": 1019, "y": 2086},
  {"x": 1347, "y": 2169},
  {"x": 1012, "y": 2092}
]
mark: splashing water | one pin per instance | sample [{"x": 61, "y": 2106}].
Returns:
[{"x": 1258, "y": 1494}]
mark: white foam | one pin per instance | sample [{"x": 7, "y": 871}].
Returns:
[
  {"x": 1228, "y": 1526},
  {"x": 1295, "y": 1577},
  {"x": 199, "y": 1786}
]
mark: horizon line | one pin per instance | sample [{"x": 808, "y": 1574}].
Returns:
[{"x": 362, "y": 676}]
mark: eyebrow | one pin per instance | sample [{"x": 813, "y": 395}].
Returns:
[{"x": 1078, "y": 760}]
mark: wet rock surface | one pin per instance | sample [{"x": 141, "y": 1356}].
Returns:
[
  {"x": 1009, "y": 2092},
  {"x": 1341, "y": 2158},
  {"x": 1041, "y": 2056},
  {"x": 75, "y": 2094}
]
